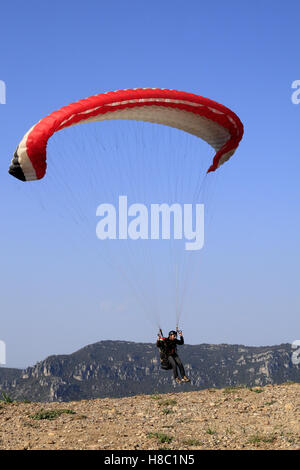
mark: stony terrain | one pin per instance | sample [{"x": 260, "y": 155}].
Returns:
[{"x": 230, "y": 418}]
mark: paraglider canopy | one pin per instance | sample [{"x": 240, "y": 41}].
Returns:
[{"x": 202, "y": 117}]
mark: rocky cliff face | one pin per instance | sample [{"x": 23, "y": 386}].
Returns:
[{"x": 120, "y": 368}]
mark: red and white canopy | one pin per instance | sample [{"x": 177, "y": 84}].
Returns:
[{"x": 202, "y": 117}]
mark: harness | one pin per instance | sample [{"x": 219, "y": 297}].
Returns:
[{"x": 164, "y": 355}]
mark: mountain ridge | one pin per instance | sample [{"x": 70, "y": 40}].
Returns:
[{"x": 119, "y": 368}]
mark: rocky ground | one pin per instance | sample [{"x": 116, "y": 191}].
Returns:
[{"x": 231, "y": 418}]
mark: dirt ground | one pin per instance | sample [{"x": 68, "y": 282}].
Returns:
[{"x": 231, "y": 418}]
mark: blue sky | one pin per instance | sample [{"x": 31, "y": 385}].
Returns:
[{"x": 56, "y": 294}]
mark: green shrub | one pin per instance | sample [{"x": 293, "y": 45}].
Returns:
[
  {"x": 50, "y": 414},
  {"x": 162, "y": 438}
]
